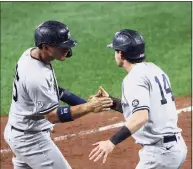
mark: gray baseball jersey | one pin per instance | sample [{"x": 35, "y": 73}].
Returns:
[
  {"x": 35, "y": 92},
  {"x": 147, "y": 87}
]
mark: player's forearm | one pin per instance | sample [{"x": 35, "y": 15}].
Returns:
[
  {"x": 137, "y": 120},
  {"x": 134, "y": 123},
  {"x": 79, "y": 110},
  {"x": 67, "y": 113}
]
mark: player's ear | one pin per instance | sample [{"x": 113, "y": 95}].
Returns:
[{"x": 45, "y": 47}]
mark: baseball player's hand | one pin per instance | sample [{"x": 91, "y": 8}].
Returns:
[
  {"x": 98, "y": 94},
  {"x": 101, "y": 93},
  {"x": 102, "y": 149},
  {"x": 97, "y": 104}
]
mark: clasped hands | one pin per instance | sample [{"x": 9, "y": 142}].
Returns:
[{"x": 100, "y": 101}]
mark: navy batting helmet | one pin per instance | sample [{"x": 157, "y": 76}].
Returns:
[
  {"x": 53, "y": 33},
  {"x": 130, "y": 42}
]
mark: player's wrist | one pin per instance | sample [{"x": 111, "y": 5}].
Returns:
[
  {"x": 116, "y": 104},
  {"x": 87, "y": 107},
  {"x": 111, "y": 143},
  {"x": 64, "y": 114},
  {"x": 120, "y": 136}
]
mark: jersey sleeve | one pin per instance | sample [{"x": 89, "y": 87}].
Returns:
[
  {"x": 43, "y": 94},
  {"x": 137, "y": 94}
]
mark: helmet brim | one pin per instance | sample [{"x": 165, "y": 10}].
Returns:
[
  {"x": 68, "y": 44},
  {"x": 110, "y": 46}
]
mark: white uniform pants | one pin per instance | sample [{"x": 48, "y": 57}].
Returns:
[
  {"x": 169, "y": 155},
  {"x": 34, "y": 150}
]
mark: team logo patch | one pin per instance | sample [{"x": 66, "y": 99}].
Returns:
[
  {"x": 135, "y": 103},
  {"x": 64, "y": 111},
  {"x": 39, "y": 104},
  {"x": 141, "y": 55}
]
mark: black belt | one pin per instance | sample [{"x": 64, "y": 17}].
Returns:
[
  {"x": 168, "y": 139},
  {"x": 12, "y": 127}
]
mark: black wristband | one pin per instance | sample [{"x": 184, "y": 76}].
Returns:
[
  {"x": 116, "y": 104},
  {"x": 121, "y": 135},
  {"x": 64, "y": 114}
]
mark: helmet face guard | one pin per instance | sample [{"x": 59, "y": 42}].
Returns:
[{"x": 130, "y": 42}]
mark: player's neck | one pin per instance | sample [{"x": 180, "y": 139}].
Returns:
[
  {"x": 36, "y": 53},
  {"x": 128, "y": 66}
]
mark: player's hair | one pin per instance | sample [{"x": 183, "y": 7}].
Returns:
[
  {"x": 132, "y": 60},
  {"x": 40, "y": 46}
]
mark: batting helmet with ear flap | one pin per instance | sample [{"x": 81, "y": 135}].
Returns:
[
  {"x": 54, "y": 33},
  {"x": 130, "y": 42},
  {"x": 69, "y": 54}
]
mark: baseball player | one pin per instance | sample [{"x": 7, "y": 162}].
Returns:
[
  {"x": 148, "y": 107},
  {"x": 35, "y": 105}
]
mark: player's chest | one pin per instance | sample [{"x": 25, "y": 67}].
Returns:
[{"x": 52, "y": 83}]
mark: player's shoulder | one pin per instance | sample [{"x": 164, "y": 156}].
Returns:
[
  {"x": 140, "y": 73},
  {"x": 153, "y": 67},
  {"x": 23, "y": 65},
  {"x": 31, "y": 66},
  {"x": 33, "y": 70},
  {"x": 24, "y": 62},
  {"x": 137, "y": 72},
  {"x": 155, "y": 70},
  {"x": 25, "y": 54}
]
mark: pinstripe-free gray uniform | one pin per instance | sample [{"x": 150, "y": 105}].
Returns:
[
  {"x": 35, "y": 92},
  {"x": 147, "y": 87}
]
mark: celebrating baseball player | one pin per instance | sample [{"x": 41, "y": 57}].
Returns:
[
  {"x": 148, "y": 107},
  {"x": 35, "y": 105}
]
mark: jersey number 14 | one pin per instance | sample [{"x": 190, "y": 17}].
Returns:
[{"x": 167, "y": 88}]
